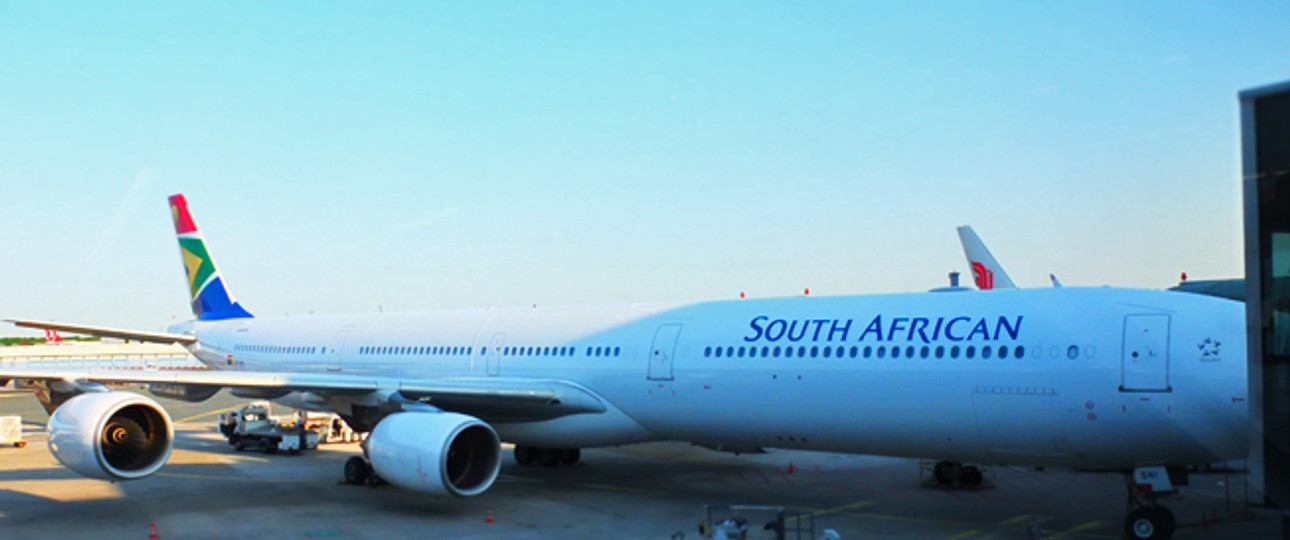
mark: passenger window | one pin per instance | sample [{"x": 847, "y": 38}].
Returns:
[
  {"x": 940, "y": 351},
  {"x": 923, "y": 353},
  {"x": 828, "y": 351},
  {"x": 1072, "y": 352},
  {"x": 1003, "y": 351},
  {"x": 718, "y": 352},
  {"x": 895, "y": 352},
  {"x": 815, "y": 351},
  {"x": 740, "y": 352},
  {"x": 882, "y": 351},
  {"x": 985, "y": 352},
  {"x": 775, "y": 352},
  {"x": 868, "y": 351},
  {"x": 707, "y": 351},
  {"x": 730, "y": 352},
  {"x": 801, "y": 352},
  {"x": 970, "y": 352}
]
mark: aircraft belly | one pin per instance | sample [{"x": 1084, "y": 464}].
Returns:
[{"x": 853, "y": 413}]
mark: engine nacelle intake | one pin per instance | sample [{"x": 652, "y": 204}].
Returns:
[
  {"x": 111, "y": 435},
  {"x": 436, "y": 452}
]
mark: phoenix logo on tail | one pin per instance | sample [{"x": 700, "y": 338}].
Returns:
[
  {"x": 983, "y": 277},
  {"x": 986, "y": 271},
  {"x": 209, "y": 296}
]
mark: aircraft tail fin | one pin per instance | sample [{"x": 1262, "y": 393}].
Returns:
[
  {"x": 210, "y": 297},
  {"x": 986, "y": 272}
]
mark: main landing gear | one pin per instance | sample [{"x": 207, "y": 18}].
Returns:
[
  {"x": 549, "y": 457},
  {"x": 954, "y": 473},
  {"x": 1146, "y": 518},
  {"x": 358, "y": 471}
]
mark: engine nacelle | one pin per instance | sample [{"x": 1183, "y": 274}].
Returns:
[
  {"x": 111, "y": 435},
  {"x": 436, "y": 452}
]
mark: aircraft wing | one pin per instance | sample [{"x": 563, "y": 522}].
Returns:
[
  {"x": 492, "y": 398},
  {"x": 103, "y": 331}
]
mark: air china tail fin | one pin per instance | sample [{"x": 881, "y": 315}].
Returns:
[
  {"x": 986, "y": 272},
  {"x": 210, "y": 297},
  {"x": 51, "y": 336}
]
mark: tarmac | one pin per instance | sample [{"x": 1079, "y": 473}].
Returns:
[{"x": 657, "y": 490}]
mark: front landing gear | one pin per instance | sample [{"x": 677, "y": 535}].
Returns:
[
  {"x": 548, "y": 457},
  {"x": 1149, "y": 523},
  {"x": 1146, "y": 518}
]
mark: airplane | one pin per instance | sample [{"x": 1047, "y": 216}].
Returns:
[
  {"x": 1141, "y": 382},
  {"x": 987, "y": 273}
]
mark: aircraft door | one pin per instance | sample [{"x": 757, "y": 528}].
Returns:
[
  {"x": 1144, "y": 362},
  {"x": 333, "y": 357},
  {"x": 493, "y": 355},
  {"x": 662, "y": 352}
]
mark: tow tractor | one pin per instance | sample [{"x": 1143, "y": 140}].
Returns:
[{"x": 252, "y": 427}]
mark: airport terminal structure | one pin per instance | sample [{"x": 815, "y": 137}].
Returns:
[
  {"x": 1265, "y": 159},
  {"x": 106, "y": 354}
]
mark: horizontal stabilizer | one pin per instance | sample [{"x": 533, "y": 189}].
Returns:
[{"x": 102, "y": 331}]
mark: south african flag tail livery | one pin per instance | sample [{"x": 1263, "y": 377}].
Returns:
[{"x": 210, "y": 298}]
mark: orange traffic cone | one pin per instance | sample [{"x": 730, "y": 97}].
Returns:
[
  {"x": 152, "y": 531},
  {"x": 489, "y": 519},
  {"x": 791, "y": 468}
]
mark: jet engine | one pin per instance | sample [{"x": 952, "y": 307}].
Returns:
[
  {"x": 111, "y": 435},
  {"x": 435, "y": 452}
]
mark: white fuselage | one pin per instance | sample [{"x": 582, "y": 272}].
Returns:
[{"x": 1088, "y": 377}]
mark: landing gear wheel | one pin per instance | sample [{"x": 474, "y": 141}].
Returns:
[
  {"x": 268, "y": 447},
  {"x": 239, "y": 445},
  {"x": 945, "y": 472},
  {"x": 548, "y": 457},
  {"x": 1149, "y": 523},
  {"x": 570, "y": 456},
  {"x": 356, "y": 471},
  {"x": 20, "y": 444},
  {"x": 524, "y": 455},
  {"x": 970, "y": 476}
]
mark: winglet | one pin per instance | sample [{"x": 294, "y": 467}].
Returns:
[
  {"x": 986, "y": 272},
  {"x": 210, "y": 298}
]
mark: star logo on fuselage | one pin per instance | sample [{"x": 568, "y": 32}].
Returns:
[{"x": 1209, "y": 347}]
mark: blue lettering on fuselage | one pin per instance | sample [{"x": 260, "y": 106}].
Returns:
[{"x": 763, "y": 328}]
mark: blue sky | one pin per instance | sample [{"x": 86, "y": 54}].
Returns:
[{"x": 346, "y": 157}]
